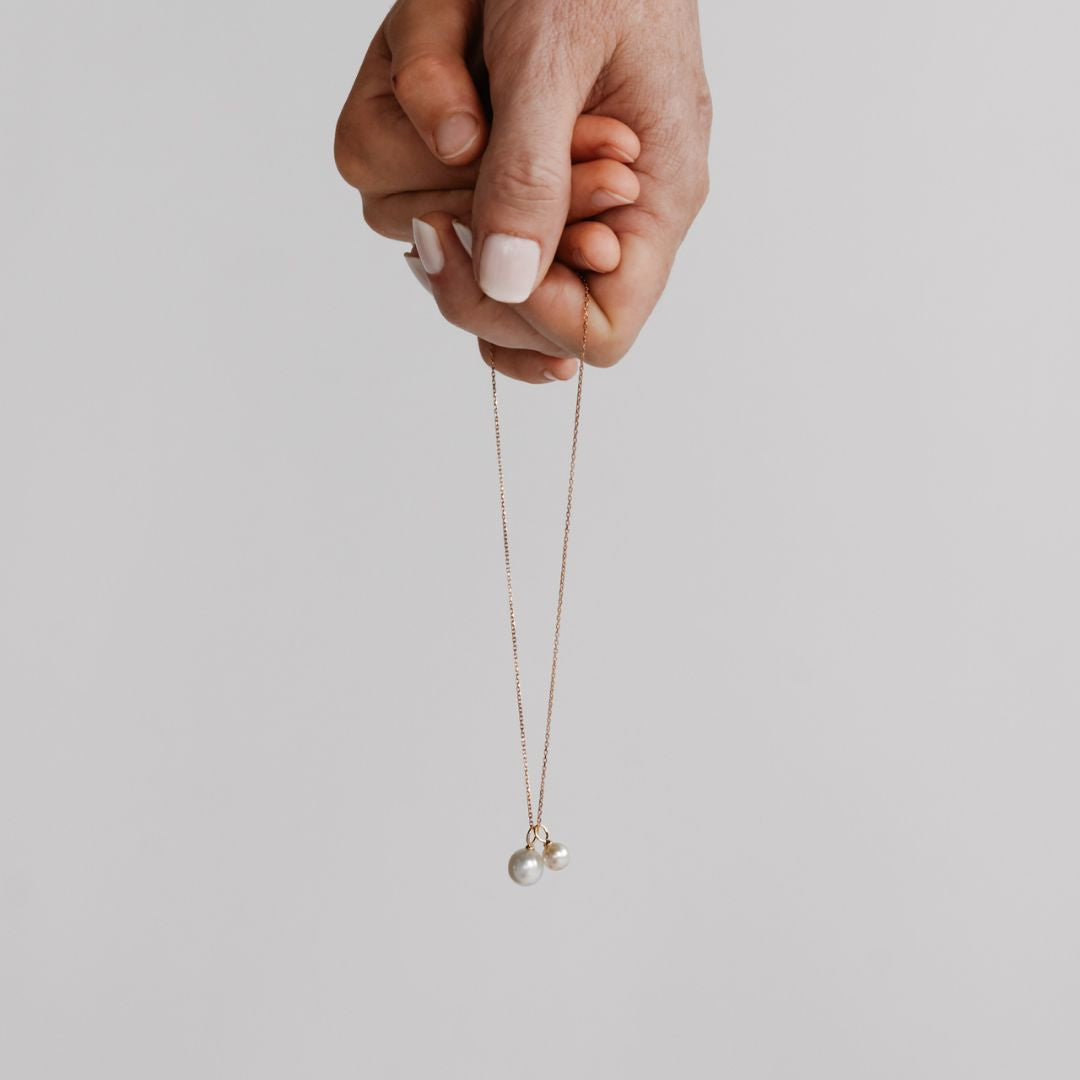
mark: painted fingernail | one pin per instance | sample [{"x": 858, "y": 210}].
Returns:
[
  {"x": 508, "y": 267},
  {"x": 602, "y": 199},
  {"x": 464, "y": 234},
  {"x": 455, "y": 134},
  {"x": 428, "y": 245},
  {"x": 413, "y": 263}
]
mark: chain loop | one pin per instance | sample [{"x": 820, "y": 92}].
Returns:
[{"x": 537, "y": 834}]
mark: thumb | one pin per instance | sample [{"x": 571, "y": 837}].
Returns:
[
  {"x": 523, "y": 188},
  {"x": 427, "y": 40}
]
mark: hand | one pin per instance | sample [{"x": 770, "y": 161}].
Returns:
[
  {"x": 597, "y": 182},
  {"x": 636, "y": 60},
  {"x": 400, "y": 174}
]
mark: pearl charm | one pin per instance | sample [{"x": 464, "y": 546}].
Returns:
[
  {"x": 526, "y": 866},
  {"x": 555, "y": 855}
]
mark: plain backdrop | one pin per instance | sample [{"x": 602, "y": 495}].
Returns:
[{"x": 816, "y": 746}]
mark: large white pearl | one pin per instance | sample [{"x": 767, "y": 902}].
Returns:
[
  {"x": 526, "y": 866},
  {"x": 555, "y": 855}
]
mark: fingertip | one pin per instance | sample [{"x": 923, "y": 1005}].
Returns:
[
  {"x": 604, "y": 137},
  {"x": 599, "y": 185},
  {"x": 439, "y": 243},
  {"x": 464, "y": 235},
  {"x": 412, "y": 261},
  {"x": 509, "y": 267},
  {"x": 458, "y": 138},
  {"x": 561, "y": 370},
  {"x": 610, "y": 150},
  {"x": 526, "y": 365},
  {"x": 590, "y": 245},
  {"x": 429, "y": 246}
]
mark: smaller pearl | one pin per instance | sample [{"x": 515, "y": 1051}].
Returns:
[
  {"x": 526, "y": 867},
  {"x": 555, "y": 855}
]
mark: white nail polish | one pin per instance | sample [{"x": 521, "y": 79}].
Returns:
[
  {"x": 428, "y": 245},
  {"x": 508, "y": 267},
  {"x": 413, "y": 263},
  {"x": 464, "y": 234}
]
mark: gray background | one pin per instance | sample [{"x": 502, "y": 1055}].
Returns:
[{"x": 816, "y": 747}]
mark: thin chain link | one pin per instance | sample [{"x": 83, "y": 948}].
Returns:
[{"x": 536, "y": 821}]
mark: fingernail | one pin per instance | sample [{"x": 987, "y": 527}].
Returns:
[
  {"x": 577, "y": 258},
  {"x": 602, "y": 199},
  {"x": 464, "y": 234},
  {"x": 508, "y": 267},
  {"x": 610, "y": 150},
  {"x": 413, "y": 263},
  {"x": 455, "y": 134},
  {"x": 428, "y": 245},
  {"x": 552, "y": 377}
]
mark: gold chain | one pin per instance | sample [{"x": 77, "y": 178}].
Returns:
[{"x": 534, "y": 823}]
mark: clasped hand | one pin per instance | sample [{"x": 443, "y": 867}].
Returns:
[{"x": 521, "y": 145}]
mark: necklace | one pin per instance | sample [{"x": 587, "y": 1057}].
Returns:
[{"x": 527, "y": 864}]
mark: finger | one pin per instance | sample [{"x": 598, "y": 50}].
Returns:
[
  {"x": 603, "y": 137},
  {"x": 428, "y": 41},
  {"x": 392, "y": 215},
  {"x": 352, "y": 133},
  {"x": 649, "y": 234},
  {"x": 596, "y": 186},
  {"x": 553, "y": 314},
  {"x": 619, "y": 302},
  {"x": 589, "y": 245},
  {"x": 376, "y": 147},
  {"x": 526, "y": 366},
  {"x": 449, "y": 269},
  {"x": 523, "y": 190},
  {"x": 379, "y": 151},
  {"x": 412, "y": 261},
  {"x": 586, "y": 245}
]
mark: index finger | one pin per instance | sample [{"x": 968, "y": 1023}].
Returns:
[
  {"x": 431, "y": 79},
  {"x": 621, "y": 301}
]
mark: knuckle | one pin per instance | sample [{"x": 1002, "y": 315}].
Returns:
[
  {"x": 352, "y": 154},
  {"x": 416, "y": 75},
  {"x": 533, "y": 37},
  {"x": 611, "y": 348},
  {"x": 700, "y": 189},
  {"x": 705, "y": 109},
  {"x": 455, "y": 311},
  {"x": 377, "y": 216},
  {"x": 529, "y": 182}
]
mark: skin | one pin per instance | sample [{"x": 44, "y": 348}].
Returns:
[
  {"x": 405, "y": 141},
  {"x": 599, "y": 180}
]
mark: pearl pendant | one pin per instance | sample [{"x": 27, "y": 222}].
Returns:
[
  {"x": 526, "y": 866},
  {"x": 555, "y": 855}
]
